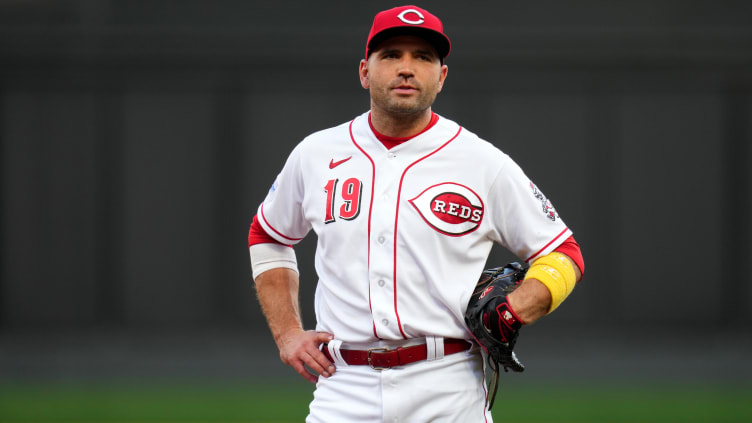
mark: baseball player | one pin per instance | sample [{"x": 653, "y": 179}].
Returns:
[{"x": 406, "y": 205}]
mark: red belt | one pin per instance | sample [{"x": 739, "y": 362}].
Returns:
[{"x": 384, "y": 358}]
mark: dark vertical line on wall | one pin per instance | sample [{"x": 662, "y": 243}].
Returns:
[
  {"x": 109, "y": 238},
  {"x": 230, "y": 220},
  {"x": 602, "y": 255},
  {"x": 3, "y": 205},
  {"x": 735, "y": 294}
]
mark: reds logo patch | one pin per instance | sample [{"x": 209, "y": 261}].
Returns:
[
  {"x": 546, "y": 205},
  {"x": 450, "y": 208}
]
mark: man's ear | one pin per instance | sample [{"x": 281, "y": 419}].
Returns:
[
  {"x": 363, "y": 73},
  {"x": 442, "y": 76}
]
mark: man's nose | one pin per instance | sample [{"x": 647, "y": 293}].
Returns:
[{"x": 406, "y": 68}]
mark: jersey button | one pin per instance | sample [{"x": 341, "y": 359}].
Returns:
[
  {"x": 381, "y": 282},
  {"x": 385, "y": 322},
  {"x": 391, "y": 155},
  {"x": 381, "y": 239}
]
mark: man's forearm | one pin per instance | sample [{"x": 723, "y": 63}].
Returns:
[
  {"x": 532, "y": 299},
  {"x": 277, "y": 291}
]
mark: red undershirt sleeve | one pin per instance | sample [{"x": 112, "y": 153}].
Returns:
[
  {"x": 571, "y": 248},
  {"x": 257, "y": 235}
]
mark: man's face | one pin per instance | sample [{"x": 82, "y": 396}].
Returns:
[{"x": 403, "y": 75}]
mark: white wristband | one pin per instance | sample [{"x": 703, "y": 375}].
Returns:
[{"x": 269, "y": 256}]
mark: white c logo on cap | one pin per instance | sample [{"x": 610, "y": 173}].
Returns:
[{"x": 418, "y": 21}]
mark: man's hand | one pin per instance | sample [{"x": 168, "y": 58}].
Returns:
[
  {"x": 277, "y": 291},
  {"x": 299, "y": 348}
]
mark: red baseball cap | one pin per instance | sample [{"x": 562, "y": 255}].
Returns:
[{"x": 408, "y": 20}]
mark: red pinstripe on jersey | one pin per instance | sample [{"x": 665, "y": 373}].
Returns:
[
  {"x": 272, "y": 227},
  {"x": 370, "y": 208},
  {"x": 396, "y": 221},
  {"x": 485, "y": 392},
  {"x": 546, "y": 246}
]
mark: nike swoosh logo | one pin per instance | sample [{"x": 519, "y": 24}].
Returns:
[{"x": 333, "y": 164}]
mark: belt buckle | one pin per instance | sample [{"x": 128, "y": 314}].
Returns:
[{"x": 370, "y": 363}]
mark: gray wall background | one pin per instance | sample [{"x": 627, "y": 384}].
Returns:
[{"x": 138, "y": 138}]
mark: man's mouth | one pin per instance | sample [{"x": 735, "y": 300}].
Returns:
[{"x": 404, "y": 89}]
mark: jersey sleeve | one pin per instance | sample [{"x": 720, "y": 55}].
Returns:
[
  {"x": 525, "y": 221},
  {"x": 281, "y": 214}
]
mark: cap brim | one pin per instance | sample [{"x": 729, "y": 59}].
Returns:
[{"x": 438, "y": 40}]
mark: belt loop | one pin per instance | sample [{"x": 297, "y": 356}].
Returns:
[
  {"x": 434, "y": 348},
  {"x": 333, "y": 346}
]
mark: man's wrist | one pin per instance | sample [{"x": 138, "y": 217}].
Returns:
[
  {"x": 530, "y": 301},
  {"x": 281, "y": 336}
]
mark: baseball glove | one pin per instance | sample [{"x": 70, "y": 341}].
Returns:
[{"x": 492, "y": 322}]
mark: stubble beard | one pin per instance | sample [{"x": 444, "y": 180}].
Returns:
[{"x": 403, "y": 106}]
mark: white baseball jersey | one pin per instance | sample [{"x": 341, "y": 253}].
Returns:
[{"x": 403, "y": 234}]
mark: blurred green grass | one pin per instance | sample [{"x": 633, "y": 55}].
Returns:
[{"x": 200, "y": 403}]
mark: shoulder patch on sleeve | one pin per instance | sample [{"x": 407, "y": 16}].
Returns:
[{"x": 546, "y": 206}]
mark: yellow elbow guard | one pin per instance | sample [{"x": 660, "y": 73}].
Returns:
[{"x": 556, "y": 271}]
